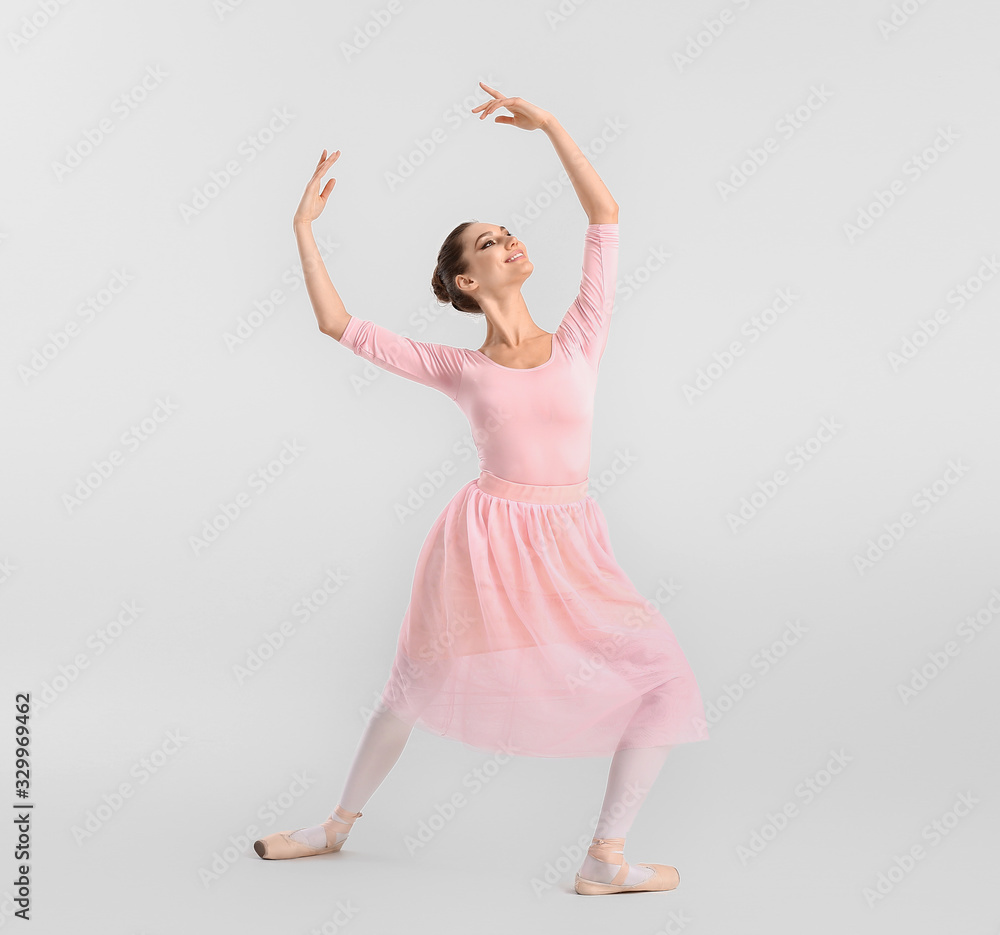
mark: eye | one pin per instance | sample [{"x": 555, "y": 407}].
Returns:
[{"x": 491, "y": 240}]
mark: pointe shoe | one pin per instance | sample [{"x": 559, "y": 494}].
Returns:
[
  {"x": 279, "y": 846},
  {"x": 612, "y": 851}
]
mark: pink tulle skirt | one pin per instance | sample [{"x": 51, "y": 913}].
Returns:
[{"x": 524, "y": 636}]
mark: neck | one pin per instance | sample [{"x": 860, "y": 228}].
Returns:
[{"x": 508, "y": 320}]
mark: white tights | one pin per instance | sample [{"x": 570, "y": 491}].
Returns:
[
  {"x": 632, "y": 774},
  {"x": 381, "y": 743},
  {"x": 630, "y": 777}
]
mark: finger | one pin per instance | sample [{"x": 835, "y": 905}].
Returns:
[
  {"x": 327, "y": 162},
  {"x": 484, "y": 104},
  {"x": 493, "y": 107},
  {"x": 492, "y": 91}
]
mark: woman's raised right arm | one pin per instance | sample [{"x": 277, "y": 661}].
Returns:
[
  {"x": 331, "y": 316},
  {"x": 436, "y": 365}
]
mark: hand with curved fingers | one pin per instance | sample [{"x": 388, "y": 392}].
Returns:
[
  {"x": 526, "y": 115},
  {"x": 313, "y": 200}
]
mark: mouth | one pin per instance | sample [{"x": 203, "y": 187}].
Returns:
[{"x": 517, "y": 256}]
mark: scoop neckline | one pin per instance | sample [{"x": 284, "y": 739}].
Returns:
[{"x": 552, "y": 356}]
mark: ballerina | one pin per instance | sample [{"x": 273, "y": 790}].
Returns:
[{"x": 522, "y": 635}]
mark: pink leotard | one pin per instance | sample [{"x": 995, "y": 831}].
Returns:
[{"x": 532, "y": 425}]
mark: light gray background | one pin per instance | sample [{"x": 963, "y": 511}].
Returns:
[{"x": 369, "y": 438}]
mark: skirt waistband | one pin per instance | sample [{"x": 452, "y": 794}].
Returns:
[{"x": 531, "y": 493}]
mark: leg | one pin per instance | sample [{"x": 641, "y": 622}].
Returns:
[
  {"x": 632, "y": 774},
  {"x": 380, "y": 746}
]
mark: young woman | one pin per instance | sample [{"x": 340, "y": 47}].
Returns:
[{"x": 522, "y": 635}]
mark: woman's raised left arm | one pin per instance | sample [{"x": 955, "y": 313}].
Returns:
[{"x": 594, "y": 196}]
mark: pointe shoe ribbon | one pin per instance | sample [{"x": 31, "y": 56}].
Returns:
[
  {"x": 606, "y": 850},
  {"x": 280, "y": 846}
]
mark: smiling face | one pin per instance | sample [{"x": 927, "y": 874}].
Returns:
[{"x": 496, "y": 259}]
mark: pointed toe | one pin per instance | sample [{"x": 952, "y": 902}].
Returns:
[
  {"x": 612, "y": 851},
  {"x": 281, "y": 845}
]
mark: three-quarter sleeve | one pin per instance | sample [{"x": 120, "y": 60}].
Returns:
[
  {"x": 435, "y": 365},
  {"x": 588, "y": 319}
]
